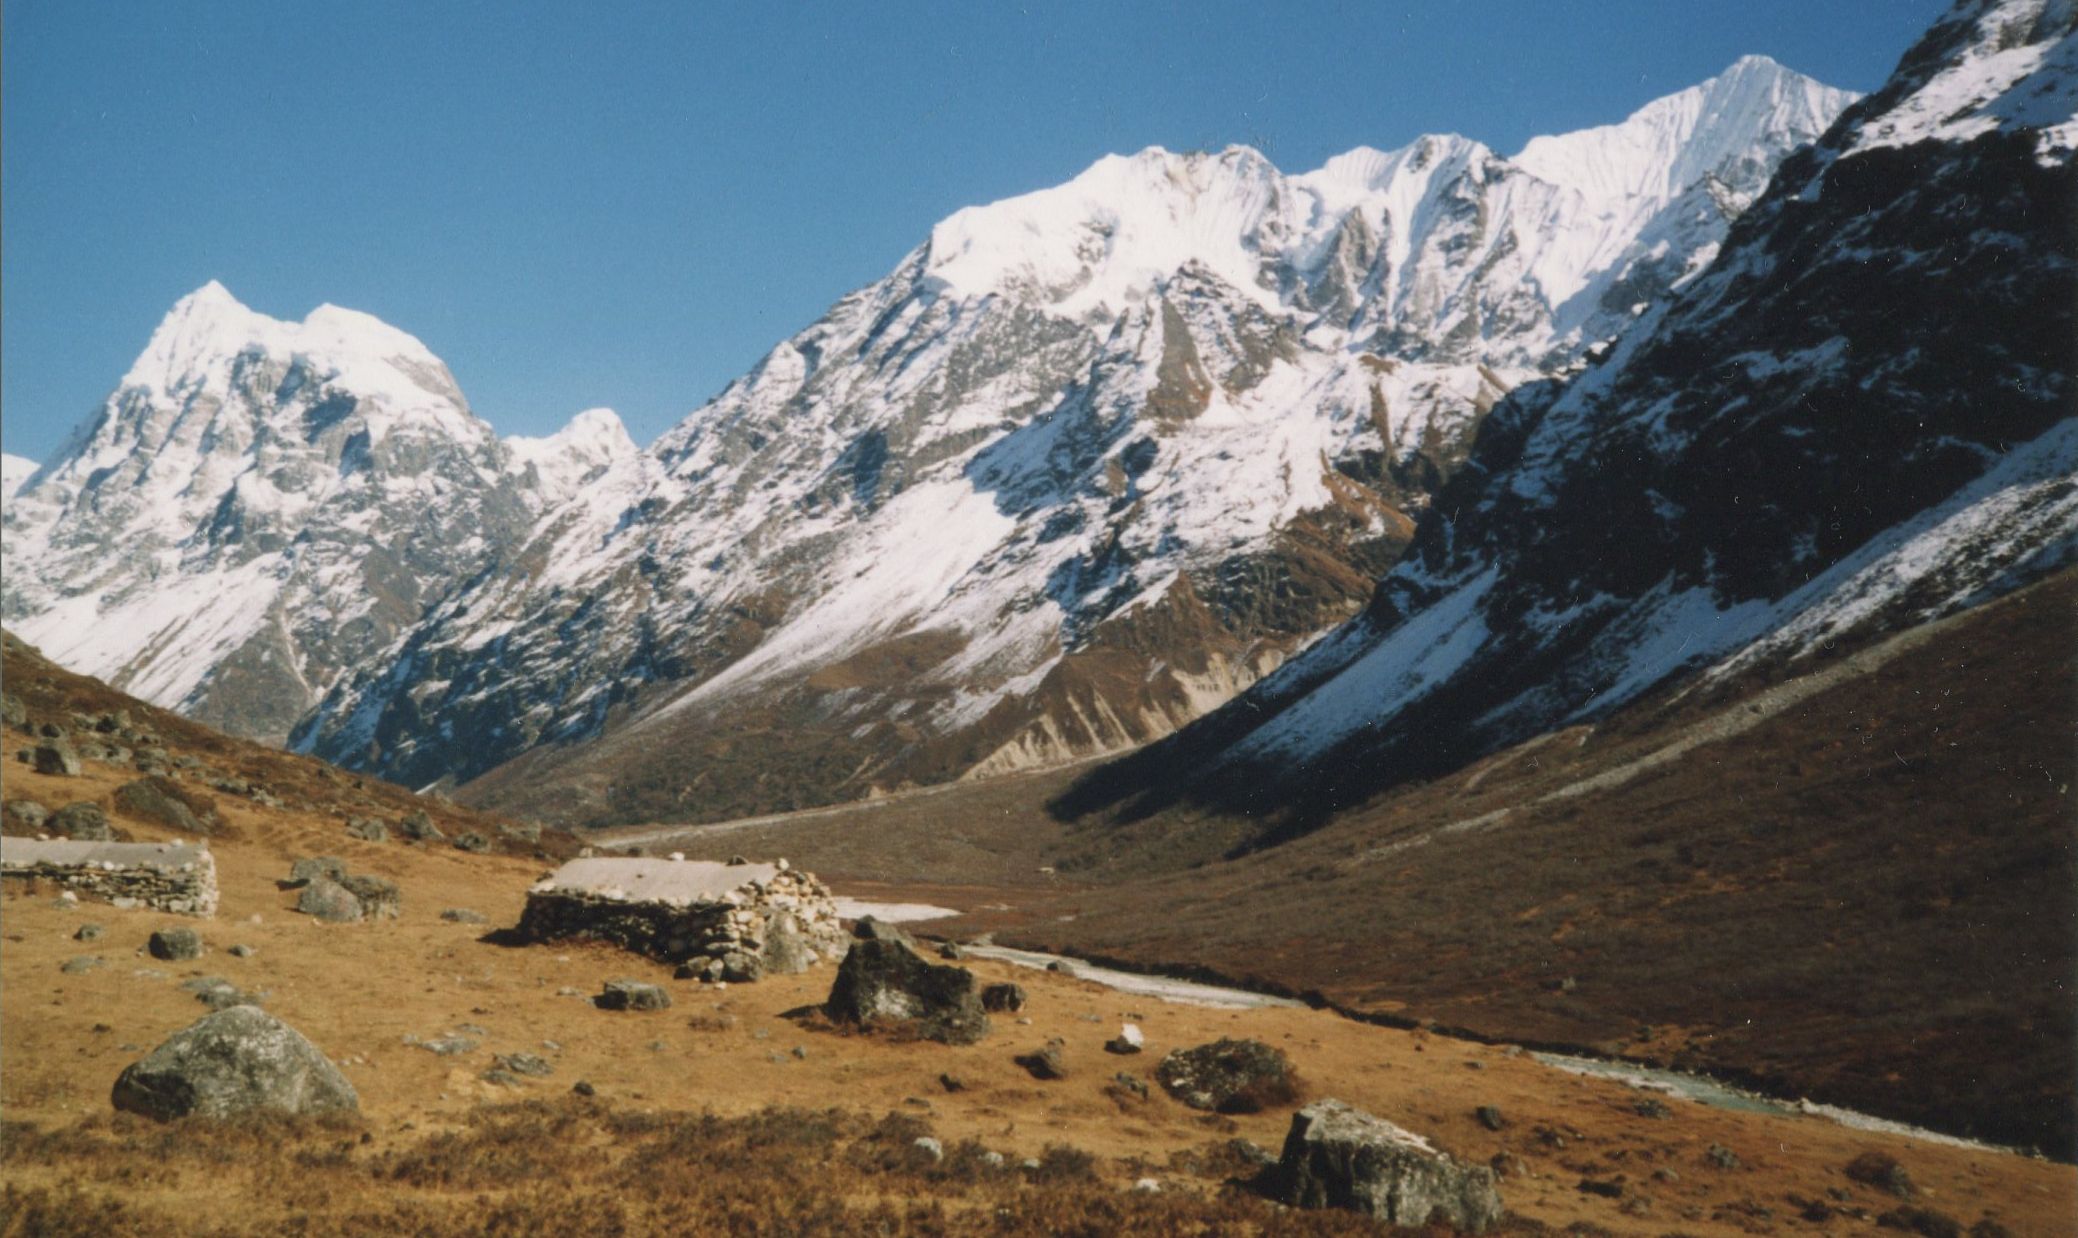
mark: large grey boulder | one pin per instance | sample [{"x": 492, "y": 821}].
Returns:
[
  {"x": 56, "y": 756},
  {"x": 158, "y": 798},
  {"x": 787, "y": 950},
  {"x": 1338, "y": 1156},
  {"x": 379, "y": 896},
  {"x": 885, "y": 984},
  {"x": 310, "y": 868},
  {"x": 82, "y": 821},
  {"x": 331, "y": 902},
  {"x": 1229, "y": 1076},
  {"x": 234, "y": 1061}
]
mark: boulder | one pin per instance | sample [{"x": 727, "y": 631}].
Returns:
[
  {"x": 161, "y": 800},
  {"x": 55, "y": 756},
  {"x": 1229, "y": 1076},
  {"x": 787, "y": 950},
  {"x": 309, "y": 869},
  {"x": 1049, "y": 1061},
  {"x": 379, "y": 897},
  {"x": 632, "y": 995},
  {"x": 870, "y": 928},
  {"x": 419, "y": 827},
  {"x": 234, "y": 1061},
  {"x": 82, "y": 821},
  {"x": 473, "y": 842},
  {"x": 1338, "y": 1156},
  {"x": 368, "y": 829},
  {"x": 1881, "y": 1170},
  {"x": 1003, "y": 998},
  {"x": 884, "y": 983},
  {"x": 14, "y": 711},
  {"x": 331, "y": 902},
  {"x": 28, "y": 813},
  {"x": 741, "y": 967},
  {"x": 175, "y": 944}
]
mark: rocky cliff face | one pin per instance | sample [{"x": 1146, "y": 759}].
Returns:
[
  {"x": 1084, "y": 465},
  {"x": 1860, "y": 417}
]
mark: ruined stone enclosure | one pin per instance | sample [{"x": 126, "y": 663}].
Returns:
[
  {"x": 723, "y": 921},
  {"x": 177, "y": 877}
]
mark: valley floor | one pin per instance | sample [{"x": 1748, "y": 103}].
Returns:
[{"x": 683, "y": 1132}]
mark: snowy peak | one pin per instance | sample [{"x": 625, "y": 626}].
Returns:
[
  {"x": 1649, "y": 158},
  {"x": 594, "y": 442}
]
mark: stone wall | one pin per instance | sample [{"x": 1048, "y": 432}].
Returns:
[
  {"x": 723, "y": 921},
  {"x": 176, "y": 877}
]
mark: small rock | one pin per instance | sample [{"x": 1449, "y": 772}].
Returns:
[
  {"x": 242, "y": 951},
  {"x": 175, "y": 944},
  {"x": 1651, "y": 1107},
  {"x": 632, "y": 995},
  {"x": 368, "y": 829},
  {"x": 930, "y": 1147},
  {"x": 1882, "y": 1171},
  {"x": 1060, "y": 967},
  {"x": 88, "y": 932},
  {"x": 992, "y": 1158},
  {"x": 583, "y": 1088},
  {"x": 448, "y": 1046},
  {"x": 1046, "y": 1062},
  {"x": 951, "y": 950},
  {"x": 473, "y": 842},
  {"x": 79, "y": 966},
  {"x": 1131, "y": 1083},
  {"x": 1147, "y": 1186},
  {"x": 462, "y": 915},
  {"x": 1607, "y": 1189},
  {"x": 1003, "y": 998},
  {"x": 952, "y": 1083},
  {"x": 1128, "y": 1041},
  {"x": 500, "y": 1078},
  {"x": 418, "y": 827},
  {"x": 1722, "y": 1157},
  {"x": 528, "y": 1064},
  {"x": 801, "y": 1052},
  {"x": 29, "y": 813},
  {"x": 379, "y": 897},
  {"x": 1490, "y": 1117}
]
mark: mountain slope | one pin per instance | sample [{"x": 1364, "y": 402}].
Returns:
[
  {"x": 1085, "y": 464},
  {"x": 1859, "y": 418},
  {"x": 259, "y": 505}
]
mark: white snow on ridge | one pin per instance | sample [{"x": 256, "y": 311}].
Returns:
[
  {"x": 14, "y": 470},
  {"x": 2010, "y": 77}
]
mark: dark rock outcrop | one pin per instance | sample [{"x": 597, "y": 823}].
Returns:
[
  {"x": 1229, "y": 1076},
  {"x": 1337, "y": 1156},
  {"x": 885, "y": 984},
  {"x": 234, "y": 1061}
]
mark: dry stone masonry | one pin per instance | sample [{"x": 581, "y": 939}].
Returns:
[
  {"x": 177, "y": 877},
  {"x": 723, "y": 921}
]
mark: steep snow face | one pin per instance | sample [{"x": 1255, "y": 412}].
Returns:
[
  {"x": 14, "y": 470},
  {"x": 1083, "y": 465},
  {"x": 1857, "y": 419},
  {"x": 257, "y": 505}
]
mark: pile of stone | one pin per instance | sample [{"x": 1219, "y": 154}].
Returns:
[
  {"x": 732, "y": 922},
  {"x": 176, "y": 877}
]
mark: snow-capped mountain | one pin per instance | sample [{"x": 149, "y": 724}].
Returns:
[
  {"x": 261, "y": 504},
  {"x": 1086, "y": 463},
  {"x": 1859, "y": 418}
]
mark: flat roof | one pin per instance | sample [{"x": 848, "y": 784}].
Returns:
[
  {"x": 80, "y": 853},
  {"x": 656, "y": 880}
]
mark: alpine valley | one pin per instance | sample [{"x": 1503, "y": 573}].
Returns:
[{"x": 1086, "y": 464}]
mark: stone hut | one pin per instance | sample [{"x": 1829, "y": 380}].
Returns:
[
  {"x": 722, "y": 921},
  {"x": 177, "y": 877}
]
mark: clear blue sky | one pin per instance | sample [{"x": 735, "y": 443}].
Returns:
[{"x": 627, "y": 204}]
